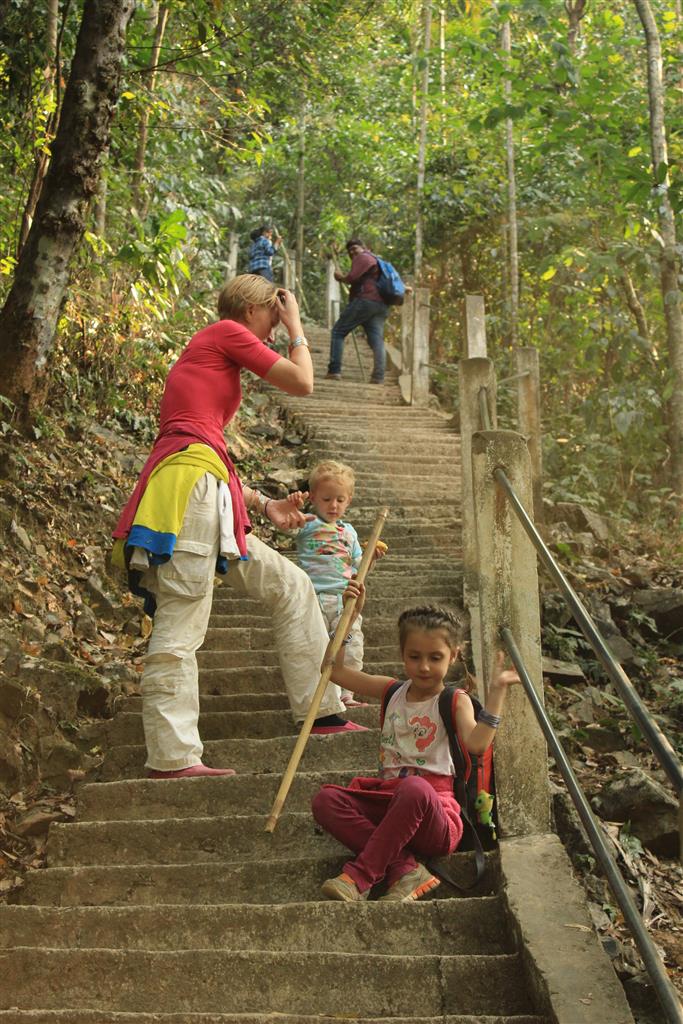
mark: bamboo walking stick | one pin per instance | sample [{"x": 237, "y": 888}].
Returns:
[{"x": 331, "y": 653}]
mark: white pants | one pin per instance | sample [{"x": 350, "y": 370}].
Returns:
[
  {"x": 331, "y": 606},
  {"x": 183, "y": 588}
]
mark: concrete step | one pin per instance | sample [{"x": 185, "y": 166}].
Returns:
[
  {"x": 340, "y": 752},
  {"x": 286, "y": 880},
  {"x": 79, "y": 1016},
  {"x": 226, "y": 702},
  {"x": 126, "y": 728},
  {"x": 182, "y": 981},
  {"x": 269, "y": 680},
  {"x": 441, "y": 927},
  {"x": 217, "y": 658},
  {"x": 137, "y": 799}
]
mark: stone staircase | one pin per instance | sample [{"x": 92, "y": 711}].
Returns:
[{"x": 167, "y": 902}]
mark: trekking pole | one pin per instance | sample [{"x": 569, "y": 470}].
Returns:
[
  {"x": 333, "y": 648},
  {"x": 353, "y": 331}
]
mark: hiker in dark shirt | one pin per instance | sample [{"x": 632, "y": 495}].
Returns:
[{"x": 365, "y": 309}]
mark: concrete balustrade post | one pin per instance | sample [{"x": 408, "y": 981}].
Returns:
[
  {"x": 508, "y": 596},
  {"x": 407, "y": 318},
  {"x": 332, "y": 294},
  {"x": 233, "y": 256},
  {"x": 420, "y": 354},
  {"x": 475, "y": 374},
  {"x": 529, "y": 417},
  {"x": 289, "y": 277},
  {"x": 474, "y": 317}
]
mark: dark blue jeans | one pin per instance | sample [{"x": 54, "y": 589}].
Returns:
[{"x": 369, "y": 315}]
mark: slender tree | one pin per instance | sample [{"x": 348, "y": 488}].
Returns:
[
  {"x": 28, "y": 319},
  {"x": 422, "y": 139},
  {"x": 512, "y": 245},
  {"x": 669, "y": 261},
  {"x": 141, "y": 150}
]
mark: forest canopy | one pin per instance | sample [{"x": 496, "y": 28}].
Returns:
[{"x": 221, "y": 117}]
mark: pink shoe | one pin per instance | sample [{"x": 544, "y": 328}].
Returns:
[
  {"x": 327, "y": 730},
  {"x": 193, "y": 772}
]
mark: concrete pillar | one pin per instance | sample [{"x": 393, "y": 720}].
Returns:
[
  {"x": 407, "y": 317},
  {"x": 233, "y": 255},
  {"x": 420, "y": 354},
  {"x": 474, "y": 317},
  {"x": 332, "y": 294},
  {"x": 508, "y": 596},
  {"x": 289, "y": 280},
  {"x": 529, "y": 415},
  {"x": 475, "y": 374}
]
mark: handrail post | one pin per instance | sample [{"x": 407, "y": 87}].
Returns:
[
  {"x": 419, "y": 390},
  {"x": 475, "y": 374},
  {"x": 508, "y": 597},
  {"x": 407, "y": 317},
  {"x": 332, "y": 294},
  {"x": 289, "y": 281},
  {"x": 233, "y": 256},
  {"x": 474, "y": 318},
  {"x": 529, "y": 418}
]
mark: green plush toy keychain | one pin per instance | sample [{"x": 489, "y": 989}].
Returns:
[{"x": 484, "y": 806}]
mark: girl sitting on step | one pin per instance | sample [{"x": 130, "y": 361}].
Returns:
[{"x": 409, "y": 810}]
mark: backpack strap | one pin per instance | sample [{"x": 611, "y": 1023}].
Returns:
[
  {"x": 448, "y": 703},
  {"x": 390, "y": 690}
]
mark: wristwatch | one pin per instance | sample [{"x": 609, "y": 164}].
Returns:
[{"x": 296, "y": 342}]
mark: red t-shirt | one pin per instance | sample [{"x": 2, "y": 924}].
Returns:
[{"x": 202, "y": 394}]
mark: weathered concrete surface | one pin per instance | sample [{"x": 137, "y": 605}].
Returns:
[
  {"x": 96, "y": 1017},
  {"x": 441, "y": 927},
  {"x": 573, "y": 973}
]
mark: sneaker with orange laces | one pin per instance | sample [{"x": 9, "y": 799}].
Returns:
[
  {"x": 343, "y": 888},
  {"x": 412, "y": 886}
]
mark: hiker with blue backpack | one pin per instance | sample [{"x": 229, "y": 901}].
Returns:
[
  {"x": 418, "y": 804},
  {"x": 374, "y": 287}
]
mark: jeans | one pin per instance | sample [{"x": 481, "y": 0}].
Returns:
[
  {"x": 369, "y": 315},
  {"x": 266, "y": 272}
]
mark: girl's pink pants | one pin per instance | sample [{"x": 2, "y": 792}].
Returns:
[{"x": 386, "y": 829}]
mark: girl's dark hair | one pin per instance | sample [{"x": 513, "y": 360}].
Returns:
[
  {"x": 429, "y": 617},
  {"x": 257, "y": 232}
]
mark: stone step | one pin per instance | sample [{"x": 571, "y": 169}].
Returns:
[
  {"x": 286, "y": 880},
  {"x": 442, "y": 927},
  {"x": 78, "y": 1016},
  {"x": 226, "y": 702},
  {"x": 182, "y": 981},
  {"x": 269, "y": 679},
  {"x": 237, "y": 837},
  {"x": 208, "y": 658},
  {"x": 136, "y": 799},
  {"x": 126, "y": 728},
  {"x": 340, "y": 752}
]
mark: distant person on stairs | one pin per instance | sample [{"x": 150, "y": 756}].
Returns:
[
  {"x": 187, "y": 519},
  {"x": 262, "y": 250},
  {"x": 408, "y": 813},
  {"x": 366, "y": 309}
]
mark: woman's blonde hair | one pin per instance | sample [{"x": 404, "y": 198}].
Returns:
[
  {"x": 330, "y": 470},
  {"x": 245, "y": 290}
]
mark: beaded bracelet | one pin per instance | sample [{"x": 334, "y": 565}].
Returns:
[{"x": 487, "y": 718}]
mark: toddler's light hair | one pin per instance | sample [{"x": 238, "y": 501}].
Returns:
[
  {"x": 330, "y": 470},
  {"x": 245, "y": 290}
]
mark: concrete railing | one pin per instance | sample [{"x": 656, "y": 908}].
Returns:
[{"x": 500, "y": 584}]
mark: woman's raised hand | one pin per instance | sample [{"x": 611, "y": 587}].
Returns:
[
  {"x": 289, "y": 312},
  {"x": 285, "y": 513}
]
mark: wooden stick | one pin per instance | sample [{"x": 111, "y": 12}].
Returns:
[{"x": 331, "y": 653}]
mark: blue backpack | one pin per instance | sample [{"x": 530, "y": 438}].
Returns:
[{"x": 389, "y": 284}]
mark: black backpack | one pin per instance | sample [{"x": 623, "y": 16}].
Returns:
[{"x": 473, "y": 773}]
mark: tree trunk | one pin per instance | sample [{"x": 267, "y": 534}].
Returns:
[
  {"x": 669, "y": 263},
  {"x": 300, "y": 198},
  {"x": 513, "y": 254},
  {"x": 28, "y": 319},
  {"x": 422, "y": 143},
  {"x": 442, "y": 58},
  {"x": 575, "y": 11},
  {"x": 42, "y": 157},
  {"x": 141, "y": 151}
]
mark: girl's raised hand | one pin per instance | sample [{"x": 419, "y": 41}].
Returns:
[
  {"x": 503, "y": 677},
  {"x": 357, "y": 590}
]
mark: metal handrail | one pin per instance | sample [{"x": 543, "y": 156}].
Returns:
[
  {"x": 664, "y": 752},
  {"x": 666, "y": 993}
]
